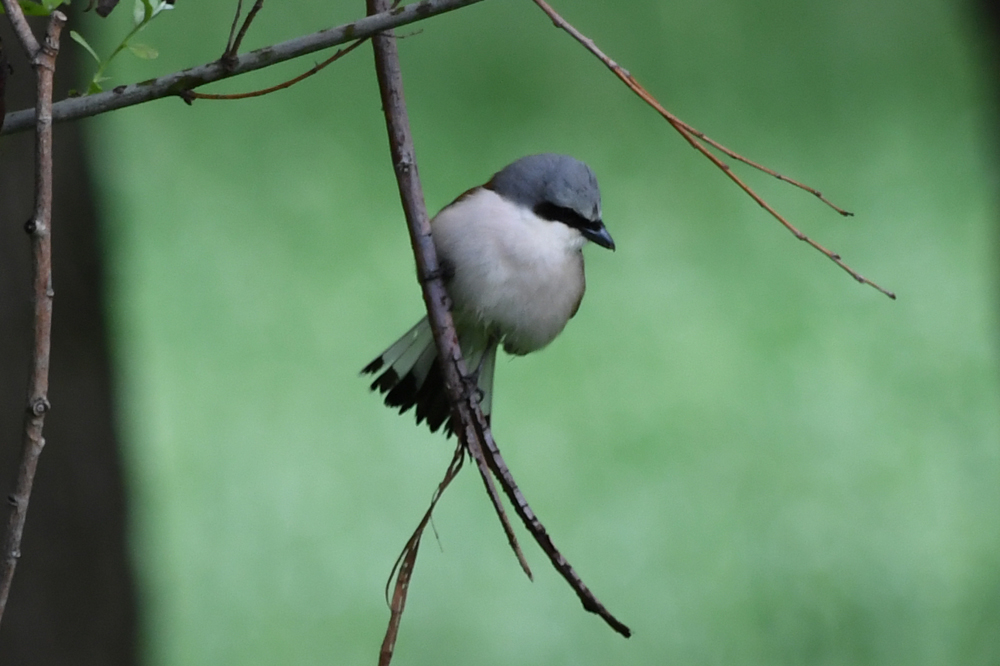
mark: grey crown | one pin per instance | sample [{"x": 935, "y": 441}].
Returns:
[{"x": 550, "y": 178}]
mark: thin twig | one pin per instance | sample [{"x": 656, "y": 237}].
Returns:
[
  {"x": 428, "y": 270},
  {"x": 464, "y": 405},
  {"x": 694, "y": 137},
  {"x": 189, "y": 79},
  {"x": 402, "y": 570},
  {"x": 232, "y": 29},
  {"x": 756, "y": 165},
  {"x": 39, "y": 227},
  {"x": 233, "y": 45},
  {"x": 281, "y": 86},
  {"x": 537, "y": 529}
]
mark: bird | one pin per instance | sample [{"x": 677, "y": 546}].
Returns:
[{"x": 510, "y": 254}]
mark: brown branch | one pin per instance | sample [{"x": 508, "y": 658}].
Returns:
[
  {"x": 39, "y": 227},
  {"x": 232, "y": 30},
  {"x": 177, "y": 83},
  {"x": 233, "y": 45},
  {"x": 192, "y": 95},
  {"x": 465, "y": 407},
  {"x": 474, "y": 431},
  {"x": 694, "y": 137},
  {"x": 428, "y": 270},
  {"x": 756, "y": 165},
  {"x": 402, "y": 570},
  {"x": 541, "y": 535}
]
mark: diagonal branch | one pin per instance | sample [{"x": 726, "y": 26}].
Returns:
[
  {"x": 464, "y": 405},
  {"x": 20, "y": 24},
  {"x": 39, "y": 227},
  {"x": 402, "y": 570},
  {"x": 541, "y": 535},
  {"x": 428, "y": 270},
  {"x": 474, "y": 431},
  {"x": 236, "y": 39},
  {"x": 195, "y": 77},
  {"x": 694, "y": 137}
]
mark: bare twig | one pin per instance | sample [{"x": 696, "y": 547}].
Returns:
[
  {"x": 43, "y": 59},
  {"x": 191, "y": 95},
  {"x": 232, "y": 29},
  {"x": 402, "y": 570},
  {"x": 756, "y": 165},
  {"x": 189, "y": 79},
  {"x": 694, "y": 137},
  {"x": 474, "y": 432},
  {"x": 233, "y": 45},
  {"x": 538, "y": 531},
  {"x": 464, "y": 404}
]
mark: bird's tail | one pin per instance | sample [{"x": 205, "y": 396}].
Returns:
[{"x": 411, "y": 375}]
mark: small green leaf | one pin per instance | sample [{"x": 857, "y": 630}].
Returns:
[
  {"x": 94, "y": 87},
  {"x": 31, "y": 8},
  {"x": 144, "y": 51},
  {"x": 78, "y": 38},
  {"x": 141, "y": 12}
]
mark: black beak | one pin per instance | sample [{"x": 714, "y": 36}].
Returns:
[{"x": 598, "y": 234}]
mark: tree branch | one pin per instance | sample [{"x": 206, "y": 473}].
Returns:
[
  {"x": 235, "y": 39},
  {"x": 189, "y": 79},
  {"x": 192, "y": 95},
  {"x": 464, "y": 406},
  {"x": 473, "y": 431},
  {"x": 694, "y": 137},
  {"x": 21, "y": 28},
  {"x": 43, "y": 59}
]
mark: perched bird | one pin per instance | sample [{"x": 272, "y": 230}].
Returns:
[{"x": 510, "y": 253}]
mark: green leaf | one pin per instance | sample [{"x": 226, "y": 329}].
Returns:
[
  {"x": 31, "y": 8},
  {"x": 142, "y": 11},
  {"x": 94, "y": 87},
  {"x": 144, "y": 51},
  {"x": 78, "y": 38}
]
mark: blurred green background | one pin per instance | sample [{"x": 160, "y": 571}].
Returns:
[{"x": 747, "y": 456}]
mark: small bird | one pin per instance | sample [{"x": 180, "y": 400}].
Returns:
[{"x": 510, "y": 254}]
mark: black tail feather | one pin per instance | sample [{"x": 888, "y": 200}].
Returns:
[{"x": 403, "y": 393}]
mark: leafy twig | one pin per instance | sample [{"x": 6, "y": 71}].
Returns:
[
  {"x": 145, "y": 12},
  {"x": 179, "y": 82}
]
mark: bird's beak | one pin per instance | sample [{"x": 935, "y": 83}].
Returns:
[{"x": 598, "y": 234}]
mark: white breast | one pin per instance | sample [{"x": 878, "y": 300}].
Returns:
[{"x": 516, "y": 274}]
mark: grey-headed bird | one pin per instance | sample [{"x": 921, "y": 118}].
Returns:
[{"x": 511, "y": 255}]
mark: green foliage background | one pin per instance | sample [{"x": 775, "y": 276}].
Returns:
[{"x": 748, "y": 457}]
